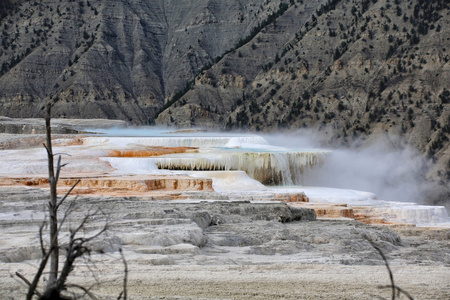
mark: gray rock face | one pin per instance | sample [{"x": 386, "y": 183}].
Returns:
[{"x": 115, "y": 59}]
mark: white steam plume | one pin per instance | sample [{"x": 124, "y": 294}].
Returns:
[{"x": 382, "y": 166}]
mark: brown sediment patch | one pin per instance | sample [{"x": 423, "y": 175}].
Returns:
[
  {"x": 154, "y": 151},
  {"x": 371, "y": 215},
  {"x": 29, "y": 181},
  {"x": 328, "y": 210},
  {"x": 291, "y": 197},
  {"x": 119, "y": 185},
  {"x": 364, "y": 214}
]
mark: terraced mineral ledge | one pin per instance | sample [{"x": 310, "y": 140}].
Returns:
[
  {"x": 198, "y": 199},
  {"x": 173, "y": 164}
]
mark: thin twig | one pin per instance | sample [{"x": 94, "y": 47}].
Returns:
[
  {"x": 32, "y": 287},
  {"x": 392, "y": 286},
  {"x": 125, "y": 276},
  {"x": 86, "y": 240},
  {"x": 62, "y": 153},
  {"x": 58, "y": 168},
  {"x": 67, "y": 194},
  {"x": 66, "y": 214},
  {"x": 41, "y": 239},
  {"x": 46, "y": 148},
  {"x": 28, "y": 283},
  {"x": 92, "y": 267},
  {"x": 398, "y": 289},
  {"x": 85, "y": 290},
  {"x": 75, "y": 249},
  {"x": 391, "y": 276}
]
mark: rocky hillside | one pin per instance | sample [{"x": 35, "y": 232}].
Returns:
[
  {"x": 113, "y": 59},
  {"x": 350, "y": 69}
]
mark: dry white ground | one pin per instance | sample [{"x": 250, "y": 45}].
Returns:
[{"x": 268, "y": 281}]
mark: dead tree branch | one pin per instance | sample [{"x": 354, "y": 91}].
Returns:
[
  {"x": 67, "y": 194},
  {"x": 395, "y": 289},
  {"x": 41, "y": 239},
  {"x": 123, "y": 294},
  {"x": 85, "y": 290}
]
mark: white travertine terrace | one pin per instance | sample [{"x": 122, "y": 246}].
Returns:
[
  {"x": 179, "y": 141},
  {"x": 252, "y": 154},
  {"x": 284, "y": 168},
  {"x": 238, "y": 166}
]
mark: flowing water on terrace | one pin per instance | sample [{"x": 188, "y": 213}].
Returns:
[{"x": 280, "y": 168}]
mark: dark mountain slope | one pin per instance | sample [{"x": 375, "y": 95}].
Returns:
[{"x": 114, "y": 59}]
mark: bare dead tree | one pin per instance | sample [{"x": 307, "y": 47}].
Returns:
[
  {"x": 52, "y": 204},
  {"x": 77, "y": 245}
]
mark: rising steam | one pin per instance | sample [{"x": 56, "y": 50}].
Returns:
[{"x": 383, "y": 166}]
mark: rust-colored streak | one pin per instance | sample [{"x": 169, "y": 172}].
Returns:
[
  {"x": 37, "y": 181},
  {"x": 154, "y": 151}
]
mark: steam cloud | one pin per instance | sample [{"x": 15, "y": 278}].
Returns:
[{"x": 383, "y": 166}]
